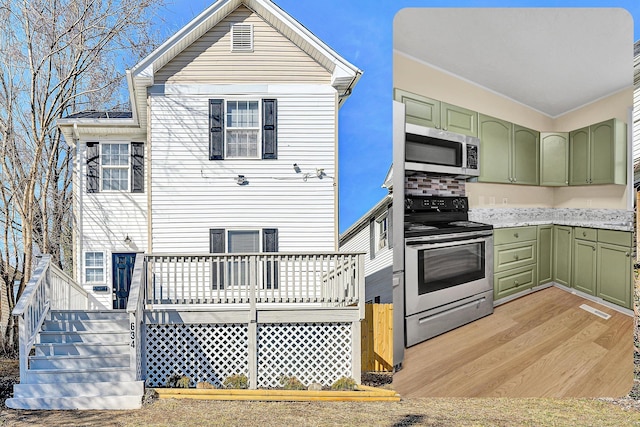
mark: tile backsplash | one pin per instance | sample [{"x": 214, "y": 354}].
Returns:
[{"x": 433, "y": 185}]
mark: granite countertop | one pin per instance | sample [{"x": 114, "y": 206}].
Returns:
[{"x": 610, "y": 219}]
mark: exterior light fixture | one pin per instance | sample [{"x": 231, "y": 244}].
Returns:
[
  {"x": 241, "y": 180},
  {"x": 296, "y": 168},
  {"x": 127, "y": 240}
]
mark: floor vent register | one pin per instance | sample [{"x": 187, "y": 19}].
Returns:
[{"x": 595, "y": 311}]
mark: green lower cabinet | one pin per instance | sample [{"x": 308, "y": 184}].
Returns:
[
  {"x": 545, "y": 253},
  {"x": 513, "y": 281},
  {"x": 514, "y": 255},
  {"x": 584, "y": 266},
  {"x": 562, "y": 248},
  {"x": 614, "y": 274}
]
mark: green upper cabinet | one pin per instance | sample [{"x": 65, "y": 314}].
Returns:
[
  {"x": 459, "y": 120},
  {"x": 554, "y": 159},
  {"x": 579, "y": 159},
  {"x": 508, "y": 153},
  {"x": 525, "y": 167},
  {"x": 423, "y": 111},
  {"x": 419, "y": 110},
  {"x": 495, "y": 149},
  {"x": 598, "y": 154}
]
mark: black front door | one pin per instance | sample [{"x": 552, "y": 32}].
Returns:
[{"x": 122, "y": 271}]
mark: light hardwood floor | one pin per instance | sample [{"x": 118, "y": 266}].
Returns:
[{"x": 540, "y": 345}]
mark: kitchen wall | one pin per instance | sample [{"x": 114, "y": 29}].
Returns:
[{"x": 415, "y": 76}]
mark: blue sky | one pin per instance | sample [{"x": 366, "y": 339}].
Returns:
[{"x": 361, "y": 31}]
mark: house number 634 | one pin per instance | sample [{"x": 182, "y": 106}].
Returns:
[{"x": 133, "y": 334}]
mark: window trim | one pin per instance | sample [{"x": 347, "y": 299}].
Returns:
[
  {"x": 379, "y": 221},
  {"x": 227, "y": 128},
  {"x": 127, "y": 167},
  {"x": 85, "y": 267}
]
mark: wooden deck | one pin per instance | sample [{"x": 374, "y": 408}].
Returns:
[{"x": 541, "y": 345}]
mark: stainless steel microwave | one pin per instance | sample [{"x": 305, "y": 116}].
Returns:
[{"x": 439, "y": 151}]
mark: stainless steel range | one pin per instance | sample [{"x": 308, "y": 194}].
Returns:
[{"x": 448, "y": 274}]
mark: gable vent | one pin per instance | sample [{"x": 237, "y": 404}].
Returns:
[{"x": 241, "y": 37}]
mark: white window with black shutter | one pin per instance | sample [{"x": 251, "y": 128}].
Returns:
[
  {"x": 243, "y": 129},
  {"x": 235, "y": 272},
  {"x": 115, "y": 167}
]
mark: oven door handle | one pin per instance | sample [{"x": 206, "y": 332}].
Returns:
[
  {"x": 424, "y": 245},
  {"x": 460, "y": 307}
]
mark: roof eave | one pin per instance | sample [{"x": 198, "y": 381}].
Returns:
[
  {"x": 342, "y": 69},
  {"x": 364, "y": 219}
]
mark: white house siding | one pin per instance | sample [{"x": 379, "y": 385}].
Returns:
[
  {"x": 377, "y": 271},
  {"x": 191, "y": 194},
  {"x": 106, "y": 218},
  {"x": 274, "y": 57}
]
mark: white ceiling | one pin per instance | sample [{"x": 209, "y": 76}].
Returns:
[{"x": 553, "y": 60}]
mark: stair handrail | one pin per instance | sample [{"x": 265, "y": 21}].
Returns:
[
  {"x": 135, "y": 309},
  {"x": 72, "y": 295},
  {"x": 32, "y": 309}
]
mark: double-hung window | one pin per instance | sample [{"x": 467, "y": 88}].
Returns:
[
  {"x": 237, "y": 272},
  {"x": 243, "y": 129},
  {"x": 114, "y": 161},
  {"x": 94, "y": 267},
  {"x": 382, "y": 229},
  {"x": 115, "y": 166}
]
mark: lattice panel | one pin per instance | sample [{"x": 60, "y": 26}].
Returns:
[
  {"x": 312, "y": 352},
  {"x": 209, "y": 352}
]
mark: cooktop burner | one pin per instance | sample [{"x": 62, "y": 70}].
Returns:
[
  {"x": 433, "y": 215},
  {"x": 421, "y": 227}
]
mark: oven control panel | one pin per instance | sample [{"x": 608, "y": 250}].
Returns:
[{"x": 436, "y": 203}]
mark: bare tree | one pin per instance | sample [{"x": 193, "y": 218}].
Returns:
[{"x": 56, "y": 57}]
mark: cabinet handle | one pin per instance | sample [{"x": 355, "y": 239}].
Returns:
[
  {"x": 584, "y": 233},
  {"x": 515, "y": 283},
  {"x": 593, "y": 249},
  {"x": 515, "y": 235},
  {"x": 515, "y": 257},
  {"x": 627, "y": 254}
]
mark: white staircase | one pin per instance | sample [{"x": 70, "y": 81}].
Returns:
[{"x": 81, "y": 361}]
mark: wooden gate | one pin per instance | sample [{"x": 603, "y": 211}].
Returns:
[{"x": 377, "y": 338}]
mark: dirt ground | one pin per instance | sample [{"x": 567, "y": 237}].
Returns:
[{"x": 408, "y": 412}]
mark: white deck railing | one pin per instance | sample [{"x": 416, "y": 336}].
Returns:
[
  {"x": 329, "y": 279},
  {"x": 48, "y": 289}
]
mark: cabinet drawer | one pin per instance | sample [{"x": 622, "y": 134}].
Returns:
[
  {"x": 513, "y": 281},
  {"x": 622, "y": 238},
  {"x": 583, "y": 233},
  {"x": 514, "y": 255},
  {"x": 515, "y": 234}
]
